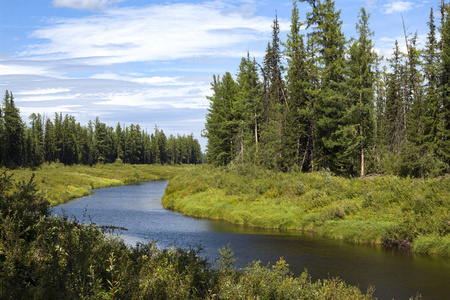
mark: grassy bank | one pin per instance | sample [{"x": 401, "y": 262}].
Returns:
[
  {"x": 62, "y": 183},
  {"x": 401, "y": 212},
  {"x": 51, "y": 258}
]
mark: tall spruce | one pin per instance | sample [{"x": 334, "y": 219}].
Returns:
[
  {"x": 360, "y": 116},
  {"x": 13, "y": 133},
  {"x": 444, "y": 145},
  {"x": 327, "y": 35},
  {"x": 248, "y": 110},
  {"x": 274, "y": 102},
  {"x": 220, "y": 127},
  {"x": 394, "y": 116},
  {"x": 433, "y": 102},
  {"x": 296, "y": 142}
]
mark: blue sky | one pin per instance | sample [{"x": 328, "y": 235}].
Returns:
[{"x": 151, "y": 62}]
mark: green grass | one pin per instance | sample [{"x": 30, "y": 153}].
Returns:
[
  {"x": 403, "y": 212},
  {"x": 61, "y": 183}
]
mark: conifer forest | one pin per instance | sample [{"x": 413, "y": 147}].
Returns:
[
  {"x": 323, "y": 101},
  {"x": 67, "y": 141}
]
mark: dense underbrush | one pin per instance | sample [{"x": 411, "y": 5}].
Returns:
[
  {"x": 401, "y": 212},
  {"x": 57, "y": 258}
]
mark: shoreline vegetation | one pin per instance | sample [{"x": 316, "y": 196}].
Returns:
[
  {"x": 60, "y": 183},
  {"x": 45, "y": 257},
  {"x": 396, "y": 212}
]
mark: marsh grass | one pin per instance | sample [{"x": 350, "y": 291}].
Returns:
[
  {"x": 61, "y": 183},
  {"x": 403, "y": 212}
]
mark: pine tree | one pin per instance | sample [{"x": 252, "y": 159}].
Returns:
[
  {"x": 37, "y": 151},
  {"x": 220, "y": 127},
  {"x": 433, "y": 102},
  {"x": 297, "y": 82},
  {"x": 394, "y": 114},
  {"x": 2, "y": 138},
  {"x": 329, "y": 41},
  {"x": 360, "y": 115},
  {"x": 444, "y": 145},
  {"x": 274, "y": 103},
  {"x": 13, "y": 133},
  {"x": 248, "y": 109}
]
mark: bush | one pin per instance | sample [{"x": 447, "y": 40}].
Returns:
[{"x": 52, "y": 258}]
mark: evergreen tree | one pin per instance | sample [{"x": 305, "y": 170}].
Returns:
[
  {"x": 297, "y": 131},
  {"x": 248, "y": 110},
  {"x": 359, "y": 119},
  {"x": 394, "y": 115},
  {"x": 119, "y": 142},
  {"x": 50, "y": 147},
  {"x": 2, "y": 138},
  {"x": 37, "y": 150},
  {"x": 220, "y": 127},
  {"x": 13, "y": 133},
  {"x": 433, "y": 102},
  {"x": 274, "y": 103},
  {"x": 331, "y": 102},
  {"x": 444, "y": 145}
]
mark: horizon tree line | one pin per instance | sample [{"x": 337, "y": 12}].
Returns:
[{"x": 65, "y": 140}]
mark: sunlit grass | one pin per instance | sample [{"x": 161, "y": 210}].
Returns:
[
  {"x": 381, "y": 209},
  {"x": 61, "y": 183}
]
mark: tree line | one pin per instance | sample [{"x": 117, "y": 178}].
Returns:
[
  {"x": 65, "y": 140},
  {"x": 322, "y": 101}
]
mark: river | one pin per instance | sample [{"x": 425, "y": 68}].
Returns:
[{"x": 138, "y": 208}]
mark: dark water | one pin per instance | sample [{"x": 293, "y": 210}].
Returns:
[{"x": 138, "y": 208}]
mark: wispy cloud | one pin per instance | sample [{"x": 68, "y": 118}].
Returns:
[
  {"x": 44, "y": 91},
  {"x": 156, "y": 80},
  {"x": 85, "y": 4},
  {"x": 156, "y": 32},
  {"x": 398, "y": 7}
]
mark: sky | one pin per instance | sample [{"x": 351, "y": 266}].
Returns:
[{"x": 151, "y": 62}]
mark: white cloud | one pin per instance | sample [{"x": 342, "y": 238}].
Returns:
[
  {"x": 85, "y": 4},
  {"x": 44, "y": 97},
  {"x": 156, "y": 80},
  {"x": 398, "y": 7},
  {"x": 10, "y": 69},
  {"x": 44, "y": 91},
  {"x": 188, "y": 97},
  {"x": 157, "y": 32}
]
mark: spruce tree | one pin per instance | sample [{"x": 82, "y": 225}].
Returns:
[
  {"x": 220, "y": 127},
  {"x": 248, "y": 110},
  {"x": 329, "y": 40},
  {"x": 444, "y": 145},
  {"x": 394, "y": 114},
  {"x": 2, "y": 138},
  {"x": 433, "y": 102},
  {"x": 359, "y": 127},
  {"x": 274, "y": 103},
  {"x": 13, "y": 132},
  {"x": 37, "y": 151},
  {"x": 297, "y": 82}
]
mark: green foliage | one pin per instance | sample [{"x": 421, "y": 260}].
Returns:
[
  {"x": 332, "y": 107},
  {"x": 380, "y": 209},
  {"x": 66, "y": 141},
  {"x": 57, "y": 258},
  {"x": 60, "y": 183}
]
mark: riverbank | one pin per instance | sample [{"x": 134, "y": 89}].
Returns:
[
  {"x": 57, "y": 258},
  {"x": 400, "y": 212},
  {"x": 61, "y": 183}
]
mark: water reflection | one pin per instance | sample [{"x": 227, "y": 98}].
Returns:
[{"x": 138, "y": 208}]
